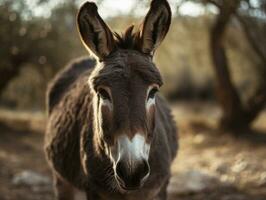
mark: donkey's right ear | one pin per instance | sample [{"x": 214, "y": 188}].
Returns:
[{"x": 94, "y": 33}]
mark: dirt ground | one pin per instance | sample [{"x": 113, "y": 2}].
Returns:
[{"x": 235, "y": 167}]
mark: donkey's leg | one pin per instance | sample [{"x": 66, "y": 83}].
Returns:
[{"x": 63, "y": 190}]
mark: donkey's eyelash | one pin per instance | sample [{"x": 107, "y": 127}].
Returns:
[{"x": 104, "y": 94}]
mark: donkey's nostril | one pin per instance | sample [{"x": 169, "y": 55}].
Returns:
[
  {"x": 121, "y": 171},
  {"x": 132, "y": 177},
  {"x": 146, "y": 169}
]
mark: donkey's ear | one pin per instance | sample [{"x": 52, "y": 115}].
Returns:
[
  {"x": 94, "y": 33},
  {"x": 155, "y": 26}
]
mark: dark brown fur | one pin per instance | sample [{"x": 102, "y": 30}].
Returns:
[{"x": 72, "y": 145}]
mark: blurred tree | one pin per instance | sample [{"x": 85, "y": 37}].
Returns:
[
  {"x": 237, "y": 114},
  {"x": 46, "y": 43},
  {"x": 227, "y": 94},
  {"x": 11, "y": 56}
]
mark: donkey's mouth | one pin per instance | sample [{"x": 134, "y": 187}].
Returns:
[
  {"x": 126, "y": 188},
  {"x": 130, "y": 188}
]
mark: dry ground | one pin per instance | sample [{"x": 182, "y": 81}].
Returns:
[{"x": 235, "y": 167}]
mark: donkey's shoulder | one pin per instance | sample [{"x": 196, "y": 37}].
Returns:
[{"x": 65, "y": 78}]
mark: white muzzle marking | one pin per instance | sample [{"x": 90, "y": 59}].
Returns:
[{"x": 137, "y": 147}]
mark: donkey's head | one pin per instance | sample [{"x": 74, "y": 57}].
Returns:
[{"x": 124, "y": 85}]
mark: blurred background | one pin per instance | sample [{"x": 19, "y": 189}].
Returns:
[{"x": 213, "y": 62}]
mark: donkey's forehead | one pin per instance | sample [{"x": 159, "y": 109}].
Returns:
[
  {"x": 128, "y": 57},
  {"x": 123, "y": 65}
]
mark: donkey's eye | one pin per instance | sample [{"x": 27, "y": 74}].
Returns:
[
  {"x": 104, "y": 94},
  {"x": 152, "y": 93}
]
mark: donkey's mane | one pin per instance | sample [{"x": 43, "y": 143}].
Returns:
[{"x": 130, "y": 39}]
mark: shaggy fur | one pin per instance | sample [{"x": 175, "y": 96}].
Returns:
[{"x": 74, "y": 149}]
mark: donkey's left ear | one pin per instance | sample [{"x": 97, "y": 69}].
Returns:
[{"x": 156, "y": 25}]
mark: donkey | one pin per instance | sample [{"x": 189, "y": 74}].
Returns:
[{"x": 108, "y": 133}]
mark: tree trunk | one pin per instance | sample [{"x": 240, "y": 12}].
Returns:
[
  {"x": 7, "y": 74},
  {"x": 236, "y": 116},
  {"x": 227, "y": 95}
]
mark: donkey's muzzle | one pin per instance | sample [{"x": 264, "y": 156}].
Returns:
[{"x": 131, "y": 176}]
